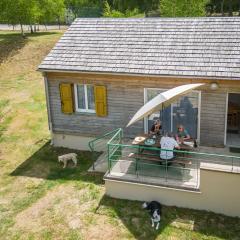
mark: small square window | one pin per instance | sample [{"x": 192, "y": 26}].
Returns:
[{"x": 84, "y": 98}]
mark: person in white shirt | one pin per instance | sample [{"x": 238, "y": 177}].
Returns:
[{"x": 168, "y": 143}]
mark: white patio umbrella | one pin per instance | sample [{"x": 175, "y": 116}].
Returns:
[{"x": 162, "y": 101}]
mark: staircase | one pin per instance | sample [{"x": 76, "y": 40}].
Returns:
[{"x": 99, "y": 145}]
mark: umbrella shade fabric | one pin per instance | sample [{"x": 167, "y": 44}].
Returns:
[{"x": 162, "y": 101}]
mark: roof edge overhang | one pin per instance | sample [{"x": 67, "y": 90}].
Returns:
[{"x": 43, "y": 70}]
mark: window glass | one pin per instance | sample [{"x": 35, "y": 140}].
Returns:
[
  {"x": 184, "y": 111},
  {"x": 164, "y": 115},
  {"x": 90, "y": 97},
  {"x": 84, "y": 98},
  {"x": 81, "y": 97}
]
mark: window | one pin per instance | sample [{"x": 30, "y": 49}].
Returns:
[
  {"x": 184, "y": 111},
  {"x": 84, "y": 98}
]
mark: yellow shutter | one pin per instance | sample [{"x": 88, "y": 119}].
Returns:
[
  {"x": 100, "y": 94},
  {"x": 66, "y": 97}
]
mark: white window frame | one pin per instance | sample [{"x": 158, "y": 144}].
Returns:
[
  {"x": 86, "y": 110},
  {"x": 163, "y": 89}
]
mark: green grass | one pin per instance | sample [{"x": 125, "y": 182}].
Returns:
[{"x": 41, "y": 200}]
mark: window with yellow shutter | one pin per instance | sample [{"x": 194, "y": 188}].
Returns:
[
  {"x": 66, "y": 97},
  {"x": 91, "y": 99}
]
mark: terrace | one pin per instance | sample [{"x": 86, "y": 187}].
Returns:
[{"x": 122, "y": 162}]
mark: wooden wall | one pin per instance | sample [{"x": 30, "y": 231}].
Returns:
[
  {"x": 212, "y": 122},
  {"x": 125, "y": 97}
]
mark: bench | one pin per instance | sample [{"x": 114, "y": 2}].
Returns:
[{"x": 158, "y": 159}]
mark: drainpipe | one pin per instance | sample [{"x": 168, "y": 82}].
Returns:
[{"x": 48, "y": 106}]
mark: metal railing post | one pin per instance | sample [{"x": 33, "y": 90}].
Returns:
[
  {"x": 198, "y": 169},
  {"x": 93, "y": 155},
  {"x": 109, "y": 160},
  {"x": 166, "y": 171}
]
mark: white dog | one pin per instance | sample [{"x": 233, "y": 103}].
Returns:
[
  {"x": 155, "y": 209},
  {"x": 66, "y": 157}
]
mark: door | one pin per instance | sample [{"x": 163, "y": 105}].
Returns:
[{"x": 233, "y": 120}]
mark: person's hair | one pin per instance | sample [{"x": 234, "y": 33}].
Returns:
[
  {"x": 169, "y": 134},
  {"x": 180, "y": 126}
]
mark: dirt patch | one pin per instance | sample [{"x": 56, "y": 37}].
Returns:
[
  {"x": 65, "y": 209},
  {"x": 183, "y": 224},
  {"x": 31, "y": 218},
  {"x": 17, "y": 123},
  {"x": 18, "y": 97},
  {"x": 21, "y": 186},
  {"x": 101, "y": 229}
]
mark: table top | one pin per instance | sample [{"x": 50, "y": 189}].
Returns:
[{"x": 140, "y": 140}]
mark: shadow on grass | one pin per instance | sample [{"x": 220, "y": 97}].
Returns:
[
  {"x": 12, "y": 42},
  {"x": 44, "y": 164},
  {"x": 186, "y": 223}
]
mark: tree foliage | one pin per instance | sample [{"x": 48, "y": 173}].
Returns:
[
  {"x": 106, "y": 9},
  {"x": 18, "y": 12},
  {"x": 183, "y": 8},
  {"x": 223, "y": 7},
  {"x": 32, "y": 12},
  {"x": 85, "y": 8},
  {"x": 108, "y": 12}
]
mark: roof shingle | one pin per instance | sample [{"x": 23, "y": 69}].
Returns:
[{"x": 191, "y": 47}]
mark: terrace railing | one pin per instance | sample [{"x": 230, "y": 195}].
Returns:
[
  {"x": 99, "y": 144},
  {"x": 143, "y": 164}
]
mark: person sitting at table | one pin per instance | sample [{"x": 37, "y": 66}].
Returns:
[
  {"x": 168, "y": 143},
  {"x": 156, "y": 127},
  {"x": 182, "y": 134}
]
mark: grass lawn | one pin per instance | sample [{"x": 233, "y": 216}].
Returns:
[{"x": 39, "y": 199}]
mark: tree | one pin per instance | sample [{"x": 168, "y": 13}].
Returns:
[
  {"x": 85, "y": 8},
  {"x": 58, "y": 10},
  {"x": 183, "y": 8},
  {"x": 45, "y": 12},
  {"x": 223, "y": 7},
  {"x": 18, "y": 12},
  {"x": 106, "y": 9},
  {"x": 73, "y": 6}
]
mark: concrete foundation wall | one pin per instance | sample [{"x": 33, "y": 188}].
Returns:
[
  {"x": 219, "y": 192},
  {"x": 71, "y": 141}
]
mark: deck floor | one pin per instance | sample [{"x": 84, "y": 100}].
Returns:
[
  {"x": 175, "y": 176},
  {"x": 233, "y": 139}
]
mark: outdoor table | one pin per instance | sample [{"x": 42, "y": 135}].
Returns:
[
  {"x": 140, "y": 141},
  {"x": 143, "y": 137}
]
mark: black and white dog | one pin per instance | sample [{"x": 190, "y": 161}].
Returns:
[{"x": 155, "y": 210}]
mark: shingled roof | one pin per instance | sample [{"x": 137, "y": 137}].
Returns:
[{"x": 191, "y": 47}]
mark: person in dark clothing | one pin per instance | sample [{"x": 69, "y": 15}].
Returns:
[{"x": 156, "y": 127}]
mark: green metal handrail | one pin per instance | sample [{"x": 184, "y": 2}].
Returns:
[
  {"x": 92, "y": 143},
  {"x": 118, "y": 131},
  {"x": 174, "y": 150}
]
